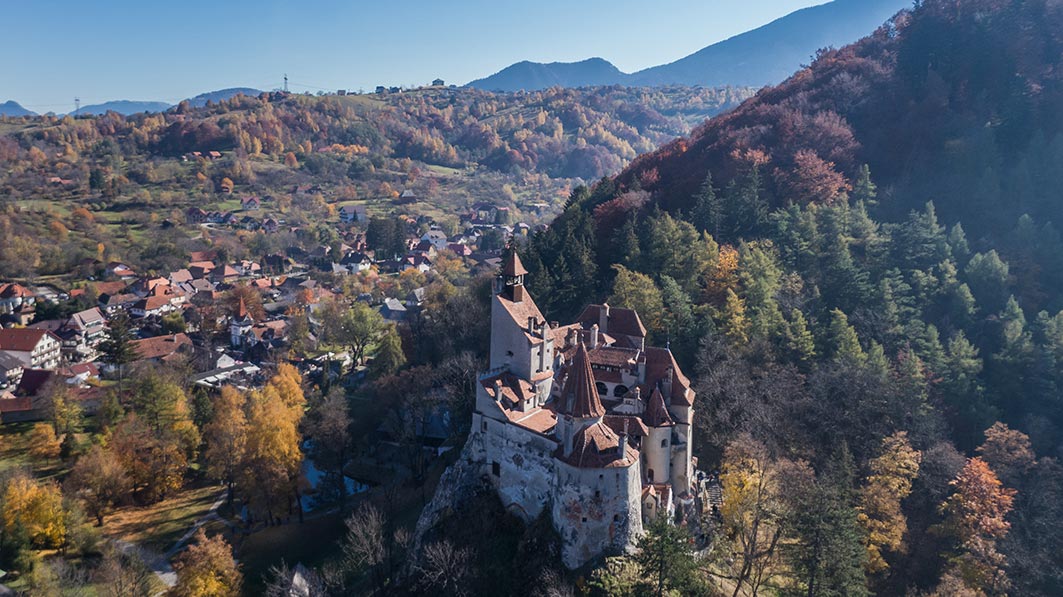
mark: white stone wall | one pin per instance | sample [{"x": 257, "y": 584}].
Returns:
[
  {"x": 595, "y": 510},
  {"x": 519, "y": 463}
]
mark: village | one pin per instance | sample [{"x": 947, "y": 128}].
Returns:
[{"x": 224, "y": 322}]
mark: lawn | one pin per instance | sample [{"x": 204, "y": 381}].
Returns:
[
  {"x": 159, "y": 526},
  {"x": 14, "y": 453}
]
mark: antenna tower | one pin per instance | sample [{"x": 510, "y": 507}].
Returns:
[
  {"x": 285, "y": 82},
  {"x": 77, "y": 106}
]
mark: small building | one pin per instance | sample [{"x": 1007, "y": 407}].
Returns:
[
  {"x": 439, "y": 83},
  {"x": 250, "y": 203},
  {"x": 350, "y": 214}
]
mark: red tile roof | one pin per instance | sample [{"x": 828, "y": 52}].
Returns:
[
  {"x": 598, "y": 446},
  {"x": 23, "y": 339},
  {"x": 580, "y": 396},
  {"x": 657, "y": 414},
  {"x": 161, "y": 346}
]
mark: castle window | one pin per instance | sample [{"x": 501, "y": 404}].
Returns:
[
  {"x": 649, "y": 475},
  {"x": 616, "y": 518},
  {"x": 484, "y": 426},
  {"x": 620, "y": 391},
  {"x": 597, "y": 494},
  {"x": 602, "y": 390},
  {"x": 664, "y": 443},
  {"x": 496, "y": 469},
  {"x": 584, "y": 519}
]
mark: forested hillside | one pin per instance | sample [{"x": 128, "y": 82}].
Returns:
[
  {"x": 98, "y": 185},
  {"x": 877, "y": 350}
]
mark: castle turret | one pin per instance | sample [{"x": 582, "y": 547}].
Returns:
[{"x": 658, "y": 446}]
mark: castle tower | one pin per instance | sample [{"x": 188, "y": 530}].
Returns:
[
  {"x": 579, "y": 405},
  {"x": 657, "y": 450}
]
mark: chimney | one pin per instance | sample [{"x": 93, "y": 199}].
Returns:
[
  {"x": 603, "y": 318},
  {"x": 622, "y": 447},
  {"x": 570, "y": 337},
  {"x": 531, "y": 325},
  {"x": 498, "y": 390},
  {"x": 594, "y": 336},
  {"x": 518, "y": 293}
]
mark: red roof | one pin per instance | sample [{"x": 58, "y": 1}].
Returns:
[
  {"x": 657, "y": 411},
  {"x": 14, "y": 290},
  {"x": 511, "y": 265},
  {"x": 598, "y": 446},
  {"x": 23, "y": 339},
  {"x": 161, "y": 346},
  {"x": 580, "y": 396}
]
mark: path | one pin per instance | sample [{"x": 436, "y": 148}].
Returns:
[{"x": 160, "y": 563}]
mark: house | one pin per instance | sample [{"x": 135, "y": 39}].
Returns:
[
  {"x": 407, "y": 197},
  {"x": 439, "y": 83},
  {"x": 350, "y": 214},
  {"x": 35, "y": 349},
  {"x": 83, "y": 333},
  {"x": 459, "y": 249},
  {"x": 112, "y": 303},
  {"x": 393, "y": 310},
  {"x": 356, "y": 262},
  {"x": 15, "y": 297},
  {"x": 437, "y": 238},
  {"x": 224, "y": 274},
  {"x": 151, "y": 306},
  {"x": 270, "y": 225},
  {"x": 120, "y": 270},
  {"x": 162, "y": 348},
  {"x": 195, "y": 215},
  {"x": 380, "y": 89},
  {"x": 250, "y": 203},
  {"x": 10, "y": 370}
]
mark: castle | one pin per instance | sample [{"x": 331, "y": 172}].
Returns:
[{"x": 584, "y": 419}]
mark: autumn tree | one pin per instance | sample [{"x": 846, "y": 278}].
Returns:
[
  {"x": 226, "y": 438},
  {"x": 33, "y": 510},
  {"x": 43, "y": 443},
  {"x": 156, "y": 466},
  {"x": 1007, "y": 452},
  {"x": 752, "y": 515},
  {"x": 100, "y": 481},
  {"x": 355, "y": 327},
  {"x": 207, "y": 569},
  {"x": 269, "y": 474},
  {"x": 889, "y": 483},
  {"x": 976, "y": 518}
]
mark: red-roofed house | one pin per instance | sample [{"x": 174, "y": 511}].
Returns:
[{"x": 35, "y": 349}]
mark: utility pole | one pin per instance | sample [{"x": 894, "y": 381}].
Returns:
[{"x": 77, "y": 107}]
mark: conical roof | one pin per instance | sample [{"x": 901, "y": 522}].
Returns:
[
  {"x": 657, "y": 414},
  {"x": 241, "y": 310},
  {"x": 511, "y": 266},
  {"x": 580, "y": 396}
]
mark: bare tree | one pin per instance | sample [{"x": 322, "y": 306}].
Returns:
[
  {"x": 365, "y": 546},
  {"x": 124, "y": 574},
  {"x": 445, "y": 569}
]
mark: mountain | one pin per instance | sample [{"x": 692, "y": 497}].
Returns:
[
  {"x": 760, "y": 57},
  {"x": 769, "y": 54},
  {"x": 958, "y": 102},
  {"x": 221, "y": 95},
  {"x": 124, "y": 107},
  {"x": 533, "y": 76},
  {"x": 12, "y": 108}
]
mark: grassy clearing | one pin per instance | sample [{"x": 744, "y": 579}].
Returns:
[{"x": 159, "y": 526}]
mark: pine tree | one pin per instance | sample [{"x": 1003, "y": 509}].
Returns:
[
  {"x": 733, "y": 323},
  {"x": 864, "y": 190},
  {"x": 842, "y": 339},
  {"x": 760, "y": 276},
  {"x": 800, "y": 342},
  {"x": 708, "y": 211}
]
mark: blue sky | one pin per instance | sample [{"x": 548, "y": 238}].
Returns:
[{"x": 54, "y": 50}]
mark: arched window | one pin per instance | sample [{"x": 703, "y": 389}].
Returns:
[
  {"x": 664, "y": 443},
  {"x": 620, "y": 391},
  {"x": 602, "y": 390},
  {"x": 649, "y": 475}
]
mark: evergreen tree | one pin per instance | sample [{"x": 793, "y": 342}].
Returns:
[
  {"x": 708, "y": 210},
  {"x": 760, "y": 276},
  {"x": 842, "y": 339},
  {"x": 117, "y": 349},
  {"x": 799, "y": 341},
  {"x": 665, "y": 557}
]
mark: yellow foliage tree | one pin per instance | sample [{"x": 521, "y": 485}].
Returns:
[
  {"x": 35, "y": 508},
  {"x": 207, "y": 569},
  {"x": 890, "y": 482},
  {"x": 42, "y": 441}
]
